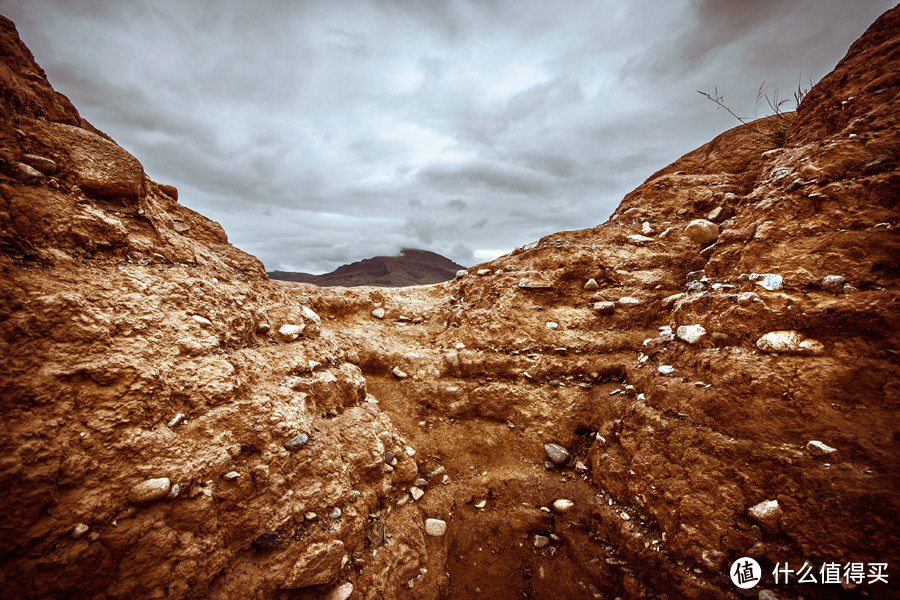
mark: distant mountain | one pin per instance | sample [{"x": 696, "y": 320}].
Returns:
[{"x": 412, "y": 267}]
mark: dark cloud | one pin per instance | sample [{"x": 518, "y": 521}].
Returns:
[{"x": 320, "y": 133}]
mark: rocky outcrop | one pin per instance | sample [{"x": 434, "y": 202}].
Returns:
[{"x": 591, "y": 416}]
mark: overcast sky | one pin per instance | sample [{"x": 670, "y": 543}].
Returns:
[{"x": 323, "y": 132}]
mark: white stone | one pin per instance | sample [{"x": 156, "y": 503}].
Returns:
[
  {"x": 202, "y": 320},
  {"x": 628, "y": 301},
  {"x": 666, "y": 369},
  {"x": 416, "y": 493},
  {"x": 817, "y": 448},
  {"x": 398, "y": 373},
  {"x": 378, "y": 313},
  {"x": 289, "y": 332},
  {"x": 483, "y": 272},
  {"x": 481, "y": 504},
  {"x": 833, "y": 283},
  {"x": 691, "y": 333},
  {"x": 591, "y": 284},
  {"x": 556, "y": 453},
  {"x": 341, "y": 592},
  {"x": 646, "y": 229},
  {"x": 789, "y": 342},
  {"x": 461, "y": 272},
  {"x": 702, "y": 231},
  {"x": 639, "y": 239},
  {"x": 540, "y": 541},
  {"x": 150, "y": 490},
  {"x": 435, "y": 527},
  {"x": 563, "y": 505},
  {"x": 311, "y": 315},
  {"x": 230, "y": 475},
  {"x": 552, "y": 325},
  {"x": 604, "y": 307},
  {"x": 769, "y": 281},
  {"x": 767, "y": 513}
]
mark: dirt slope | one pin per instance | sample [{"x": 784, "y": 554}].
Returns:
[{"x": 153, "y": 390}]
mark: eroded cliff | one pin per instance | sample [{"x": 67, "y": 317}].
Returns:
[{"x": 176, "y": 425}]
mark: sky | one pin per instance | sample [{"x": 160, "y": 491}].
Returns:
[{"x": 323, "y": 132}]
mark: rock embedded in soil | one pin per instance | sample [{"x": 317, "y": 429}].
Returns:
[
  {"x": 44, "y": 165},
  {"x": 290, "y": 332},
  {"x": 769, "y": 281},
  {"x": 789, "y": 342},
  {"x": 833, "y": 283},
  {"x": 79, "y": 530},
  {"x": 416, "y": 493},
  {"x": 768, "y": 514},
  {"x": 341, "y": 592},
  {"x": 690, "y": 333},
  {"x": 296, "y": 442},
  {"x": 540, "y": 541},
  {"x": 319, "y": 564},
  {"x": 817, "y": 448},
  {"x": 27, "y": 173},
  {"x": 435, "y": 527},
  {"x": 149, "y": 491},
  {"x": 378, "y": 313},
  {"x": 605, "y": 307},
  {"x": 702, "y": 231},
  {"x": 591, "y": 284},
  {"x": 399, "y": 374},
  {"x": 563, "y": 505},
  {"x": 556, "y": 453}
]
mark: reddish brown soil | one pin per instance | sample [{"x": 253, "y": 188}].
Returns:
[{"x": 103, "y": 273}]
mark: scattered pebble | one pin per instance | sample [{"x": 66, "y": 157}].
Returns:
[
  {"x": 481, "y": 504},
  {"x": 176, "y": 420},
  {"x": 552, "y": 325},
  {"x": 202, "y": 320},
  {"x": 483, "y": 272},
  {"x": 378, "y": 313},
  {"x": 540, "y": 541},
  {"x": 666, "y": 369},
  {"x": 311, "y": 516},
  {"x": 416, "y": 493},
  {"x": 563, "y": 505},
  {"x": 628, "y": 301},
  {"x": 398, "y": 373}
]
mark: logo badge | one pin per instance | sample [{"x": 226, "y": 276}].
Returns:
[{"x": 745, "y": 572}]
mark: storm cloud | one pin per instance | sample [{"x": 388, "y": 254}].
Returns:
[{"x": 323, "y": 132}]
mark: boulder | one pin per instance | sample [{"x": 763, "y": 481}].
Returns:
[{"x": 100, "y": 167}]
